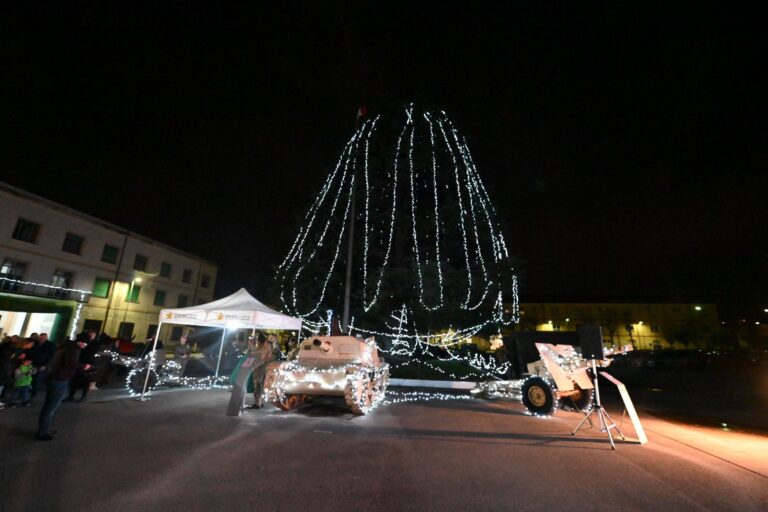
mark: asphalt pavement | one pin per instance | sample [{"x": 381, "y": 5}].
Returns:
[{"x": 179, "y": 451}]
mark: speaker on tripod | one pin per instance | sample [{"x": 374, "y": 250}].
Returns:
[{"x": 591, "y": 340}]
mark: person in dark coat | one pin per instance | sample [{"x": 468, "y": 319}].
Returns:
[
  {"x": 64, "y": 364},
  {"x": 85, "y": 372},
  {"x": 104, "y": 350},
  {"x": 42, "y": 354},
  {"x": 7, "y": 363}
]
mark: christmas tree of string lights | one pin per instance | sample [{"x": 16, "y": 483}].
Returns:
[{"x": 430, "y": 263}]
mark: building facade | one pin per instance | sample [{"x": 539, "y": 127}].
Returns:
[
  {"x": 64, "y": 271},
  {"x": 646, "y": 326}
]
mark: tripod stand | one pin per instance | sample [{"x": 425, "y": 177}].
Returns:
[{"x": 606, "y": 422}]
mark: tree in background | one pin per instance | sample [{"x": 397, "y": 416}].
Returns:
[{"x": 429, "y": 254}]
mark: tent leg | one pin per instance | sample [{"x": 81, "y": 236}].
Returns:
[
  {"x": 151, "y": 363},
  {"x": 221, "y": 349}
]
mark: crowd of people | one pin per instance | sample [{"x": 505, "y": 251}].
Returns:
[
  {"x": 23, "y": 367},
  {"x": 68, "y": 371},
  {"x": 36, "y": 365}
]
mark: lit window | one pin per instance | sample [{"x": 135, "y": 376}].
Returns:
[
  {"x": 12, "y": 269},
  {"x": 61, "y": 279}
]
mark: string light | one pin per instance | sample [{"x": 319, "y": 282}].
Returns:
[
  {"x": 83, "y": 298},
  {"x": 425, "y": 172}
]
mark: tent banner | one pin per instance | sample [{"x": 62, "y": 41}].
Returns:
[
  {"x": 231, "y": 317},
  {"x": 181, "y": 316}
]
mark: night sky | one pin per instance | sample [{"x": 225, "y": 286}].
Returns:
[{"x": 624, "y": 147}]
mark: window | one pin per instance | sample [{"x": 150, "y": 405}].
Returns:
[
  {"x": 109, "y": 254},
  {"x": 186, "y": 276},
  {"x": 26, "y": 231},
  {"x": 205, "y": 281},
  {"x": 101, "y": 287},
  {"x": 12, "y": 269},
  {"x": 176, "y": 332},
  {"x": 151, "y": 331},
  {"x": 165, "y": 269},
  {"x": 133, "y": 294},
  {"x": 61, "y": 279},
  {"x": 72, "y": 243},
  {"x": 183, "y": 301},
  {"x": 140, "y": 263},
  {"x": 159, "y": 297},
  {"x": 125, "y": 331}
]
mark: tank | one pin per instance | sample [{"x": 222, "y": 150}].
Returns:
[{"x": 329, "y": 366}]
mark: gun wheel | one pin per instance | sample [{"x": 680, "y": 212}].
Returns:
[
  {"x": 135, "y": 380},
  {"x": 539, "y": 396}
]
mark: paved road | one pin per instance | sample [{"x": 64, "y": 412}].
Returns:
[{"x": 180, "y": 452}]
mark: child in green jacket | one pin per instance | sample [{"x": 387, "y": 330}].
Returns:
[{"x": 22, "y": 385}]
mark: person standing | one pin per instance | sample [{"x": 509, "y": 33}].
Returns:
[
  {"x": 85, "y": 374},
  {"x": 64, "y": 364},
  {"x": 264, "y": 353},
  {"x": 182, "y": 353},
  {"x": 253, "y": 364},
  {"x": 41, "y": 356},
  {"x": 7, "y": 360}
]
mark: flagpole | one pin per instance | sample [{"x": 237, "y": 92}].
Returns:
[{"x": 350, "y": 246}]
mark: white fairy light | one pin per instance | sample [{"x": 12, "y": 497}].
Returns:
[{"x": 426, "y": 147}]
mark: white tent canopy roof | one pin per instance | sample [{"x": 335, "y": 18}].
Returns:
[{"x": 239, "y": 310}]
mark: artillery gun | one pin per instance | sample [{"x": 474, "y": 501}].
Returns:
[
  {"x": 329, "y": 366},
  {"x": 559, "y": 379},
  {"x": 161, "y": 371}
]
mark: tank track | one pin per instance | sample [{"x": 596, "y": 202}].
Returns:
[{"x": 365, "y": 389}]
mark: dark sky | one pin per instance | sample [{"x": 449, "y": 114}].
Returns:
[{"x": 625, "y": 147}]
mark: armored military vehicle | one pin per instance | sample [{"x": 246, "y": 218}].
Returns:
[{"x": 329, "y": 366}]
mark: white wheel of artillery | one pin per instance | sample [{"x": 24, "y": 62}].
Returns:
[{"x": 365, "y": 390}]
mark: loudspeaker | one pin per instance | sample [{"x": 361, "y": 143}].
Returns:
[{"x": 591, "y": 341}]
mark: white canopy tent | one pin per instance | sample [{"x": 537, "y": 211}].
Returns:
[{"x": 238, "y": 311}]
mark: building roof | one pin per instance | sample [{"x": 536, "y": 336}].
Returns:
[{"x": 94, "y": 220}]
